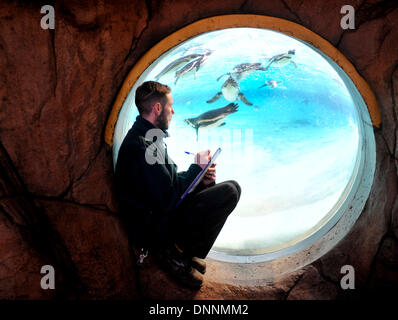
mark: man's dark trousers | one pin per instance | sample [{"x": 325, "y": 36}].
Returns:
[{"x": 196, "y": 223}]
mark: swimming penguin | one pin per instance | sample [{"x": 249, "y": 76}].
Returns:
[
  {"x": 212, "y": 118},
  {"x": 242, "y": 70},
  {"x": 176, "y": 64},
  {"x": 282, "y": 59},
  {"x": 231, "y": 91},
  {"x": 270, "y": 83},
  {"x": 193, "y": 66}
]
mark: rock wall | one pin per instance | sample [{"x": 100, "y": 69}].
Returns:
[{"x": 57, "y": 88}]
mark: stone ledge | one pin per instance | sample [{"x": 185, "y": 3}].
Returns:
[{"x": 154, "y": 283}]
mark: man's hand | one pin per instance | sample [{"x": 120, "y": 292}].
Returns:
[
  {"x": 210, "y": 175},
  {"x": 202, "y": 159}
]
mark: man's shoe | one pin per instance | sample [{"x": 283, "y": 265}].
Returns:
[
  {"x": 199, "y": 264},
  {"x": 179, "y": 268}
]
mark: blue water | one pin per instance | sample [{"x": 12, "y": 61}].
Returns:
[{"x": 293, "y": 151}]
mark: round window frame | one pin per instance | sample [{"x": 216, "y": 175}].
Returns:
[{"x": 244, "y": 269}]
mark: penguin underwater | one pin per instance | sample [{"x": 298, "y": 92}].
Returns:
[
  {"x": 231, "y": 92},
  {"x": 176, "y": 64},
  {"x": 283, "y": 59},
  {"x": 242, "y": 70},
  {"x": 270, "y": 83},
  {"x": 192, "y": 67},
  {"x": 212, "y": 118}
]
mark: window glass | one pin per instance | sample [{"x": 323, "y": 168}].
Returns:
[{"x": 284, "y": 119}]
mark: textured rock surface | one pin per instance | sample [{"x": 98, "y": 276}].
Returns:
[
  {"x": 99, "y": 248},
  {"x": 313, "y": 287},
  {"x": 56, "y": 91},
  {"x": 52, "y": 77},
  {"x": 27, "y": 242},
  {"x": 384, "y": 273}
]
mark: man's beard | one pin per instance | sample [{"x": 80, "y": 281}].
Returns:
[{"x": 161, "y": 121}]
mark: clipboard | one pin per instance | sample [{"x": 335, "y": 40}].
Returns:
[{"x": 199, "y": 177}]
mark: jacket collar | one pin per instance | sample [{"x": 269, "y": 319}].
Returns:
[{"x": 143, "y": 126}]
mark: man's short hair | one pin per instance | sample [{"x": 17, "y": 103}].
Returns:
[{"x": 148, "y": 93}]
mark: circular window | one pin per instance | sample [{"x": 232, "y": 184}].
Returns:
[{"x": 293, "y": 128}]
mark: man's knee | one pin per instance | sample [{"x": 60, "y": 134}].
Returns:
[
  {"x": 237, "y": 186},
  {"x": 233, "y": 190}
]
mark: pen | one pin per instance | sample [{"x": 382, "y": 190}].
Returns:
[{"x": 187, "y": 152}]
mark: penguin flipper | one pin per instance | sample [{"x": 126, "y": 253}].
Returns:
[
  {"x": 197, "y": 133},
  {"x": 264, "y": 85},
  {"x": 293, "y": 63},
  {"x": 222, "y": 124},
  {"x": 269, "y": 64},
  {"x": 215, "y": 98},
  {"x": 196, "y": 71},
  {"x": 244, "y": 100},
  {"x": 223, "y": 75}
]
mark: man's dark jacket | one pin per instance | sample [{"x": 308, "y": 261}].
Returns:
[{"x": 148, "y": 193}]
